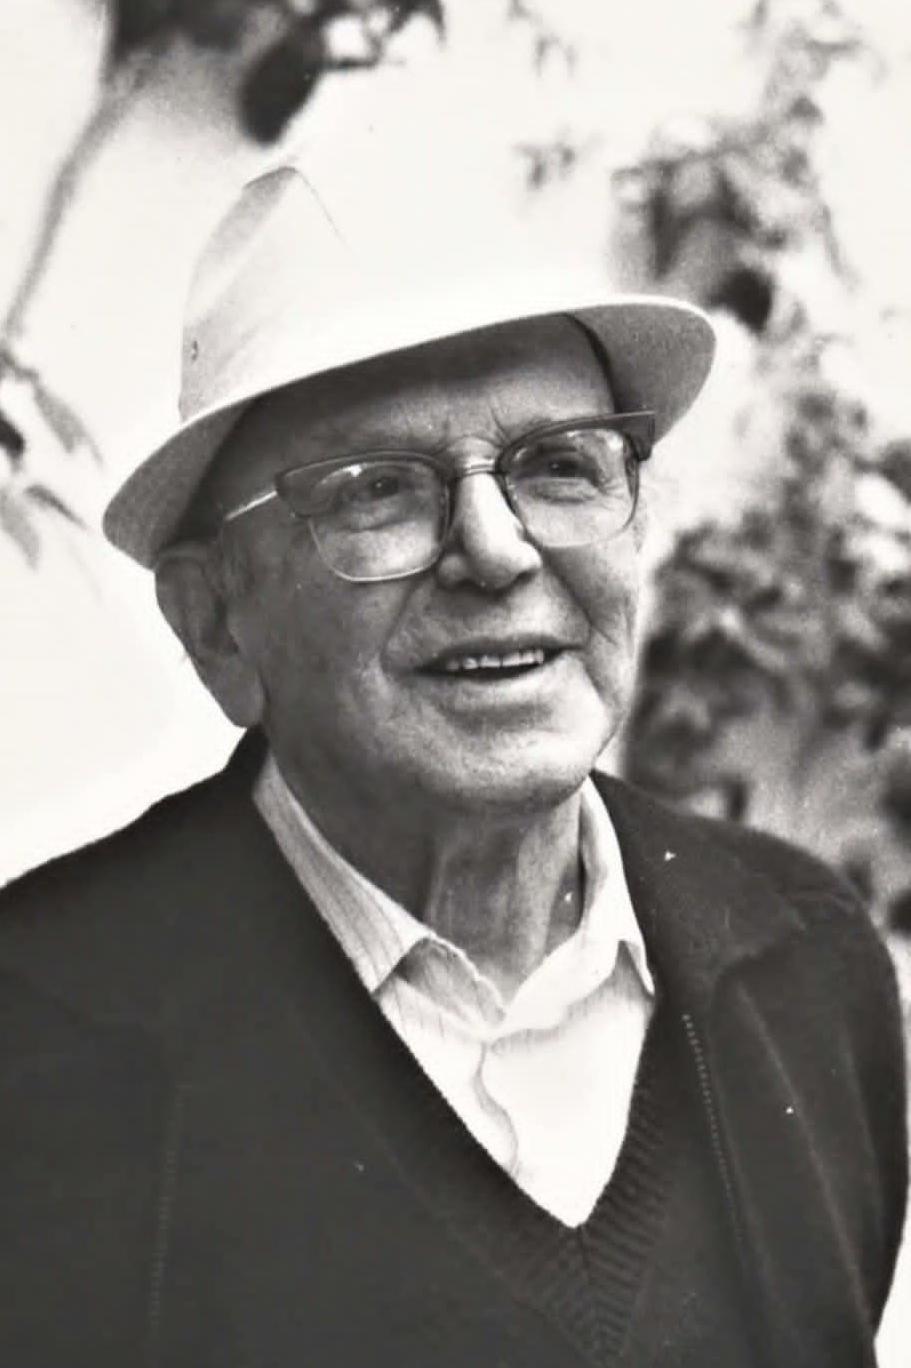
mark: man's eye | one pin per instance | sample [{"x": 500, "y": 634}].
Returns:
[
  {"x": 362, "y": 497},
  {"x": 556, "y": 464},
  {"x": 367, "y": 489},
  {"x": 567, "y": 464},
  {"x": 379, "y": 492}
]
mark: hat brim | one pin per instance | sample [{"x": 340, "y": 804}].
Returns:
[{"x": 660, "y": 353}]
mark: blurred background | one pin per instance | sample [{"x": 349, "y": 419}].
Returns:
[{"x": 750, "y": 156}]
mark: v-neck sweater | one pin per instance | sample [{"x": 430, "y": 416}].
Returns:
[{"x": 651, "y": 1277}]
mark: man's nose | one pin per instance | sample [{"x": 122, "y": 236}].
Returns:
[{"x": 486, "y": 544}]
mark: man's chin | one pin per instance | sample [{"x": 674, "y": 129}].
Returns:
[{"x": 523, "y": 782}]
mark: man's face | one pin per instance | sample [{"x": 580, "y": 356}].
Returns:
[{"x": 365, "y": 685}]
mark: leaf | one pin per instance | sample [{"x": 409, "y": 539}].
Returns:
[
  {"x": 63, "y": 421},
  {"x": 896, "y": 465},
  {"x": 401, "y": 13},
  {"x": 11, "y": 440},
  {"x": 15, "y": 522},
  {"x": 281, "y": 81},
  {"x": 854, "y": 631},
  {"x": 46, "y": 498},
  {"x": 748, "y": 293},
  {"x": 138, "y": 22},
  {"x": 805, "y": 109},
  {"x": 215, "y": 24}
]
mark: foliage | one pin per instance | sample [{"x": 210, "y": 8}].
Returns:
[
  {"x": 25, "y": 499},
  {"x": 749, "y": 185},
  {"x": 546, "y": 40},
  {"x": 801, "y": 604},
  {"x": 284, "y": 75}
]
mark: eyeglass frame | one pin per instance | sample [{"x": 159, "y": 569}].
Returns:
[{"x": 641, "y": 443}]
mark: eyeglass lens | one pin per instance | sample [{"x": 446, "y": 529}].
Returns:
[{"x": 386, "y": 516}]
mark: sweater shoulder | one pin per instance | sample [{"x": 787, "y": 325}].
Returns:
[
  {"x": 81, "y": 878},
  {"x": 793, "y": 869},
  {"x": 101, "y": 928},
  {"x": 816, "y": 891}
]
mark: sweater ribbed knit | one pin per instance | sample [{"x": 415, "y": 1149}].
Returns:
[{"x": 652, "y": 1275}]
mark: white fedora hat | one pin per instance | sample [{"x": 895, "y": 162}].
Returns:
[{"x": 282, "y": 293}]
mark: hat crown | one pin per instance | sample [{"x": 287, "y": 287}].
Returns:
[
  {"x": 280, "y": 293},
  {"x": 274, "y": 263}
]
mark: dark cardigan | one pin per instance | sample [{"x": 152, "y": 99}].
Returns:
[{"x": 214, "y": 1150}]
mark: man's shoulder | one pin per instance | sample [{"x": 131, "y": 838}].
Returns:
[
  {"x": 776, "y": 897},
  {"x": 776, "y": 858},
  {"x": 102, "y": 868},
  {"x": 107, "y": 922},
  {"x": 817, "y": 893}
]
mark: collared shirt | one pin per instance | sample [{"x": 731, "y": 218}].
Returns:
[{"x": 544, "y": 1081}]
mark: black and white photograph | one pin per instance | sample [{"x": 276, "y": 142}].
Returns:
[{"x": 455, "y": 744}]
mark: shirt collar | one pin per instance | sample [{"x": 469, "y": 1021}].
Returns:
[
  {"x": 608, "y": 919},
  {"x": 374, "y": 931},
  {"x": 377, "y": 933}
]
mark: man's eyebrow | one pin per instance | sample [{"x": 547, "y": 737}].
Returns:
[{"x": 399, "y": 431}]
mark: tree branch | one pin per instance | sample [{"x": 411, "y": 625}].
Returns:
[{"x": 118, "y": 88}]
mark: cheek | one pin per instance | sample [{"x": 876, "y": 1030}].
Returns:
[
  {"x": 321, "y": 636},
  {"x": 605, "y": 586},
  {"x": 607, "y": 591}
]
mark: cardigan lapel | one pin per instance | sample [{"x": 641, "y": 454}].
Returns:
[{"x": 702, "y": 911}]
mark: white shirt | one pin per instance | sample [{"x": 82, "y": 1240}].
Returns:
[{"x": 543, "y": 1082}]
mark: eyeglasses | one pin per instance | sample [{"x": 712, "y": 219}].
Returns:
[{"x": 385, "y": 514}]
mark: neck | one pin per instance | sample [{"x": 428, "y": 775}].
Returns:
[
  {"x": 503, "y": 886},
  {"x": 508, "y": 893}
]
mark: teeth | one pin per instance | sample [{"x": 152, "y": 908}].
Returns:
[{"x": 533, "y": 656}]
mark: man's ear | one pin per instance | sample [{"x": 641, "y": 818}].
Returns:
[{"x": 193, "y": 599}]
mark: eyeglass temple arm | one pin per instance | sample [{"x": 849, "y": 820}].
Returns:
[{"x": 247, "y": 507}]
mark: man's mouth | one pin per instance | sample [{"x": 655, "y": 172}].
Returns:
[{"x": 486, "y": 666}]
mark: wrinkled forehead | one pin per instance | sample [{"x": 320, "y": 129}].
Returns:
[{"x": 491, "y": 383}]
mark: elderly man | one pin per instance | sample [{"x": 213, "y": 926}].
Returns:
[{"x": 409, "y": 1040}]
